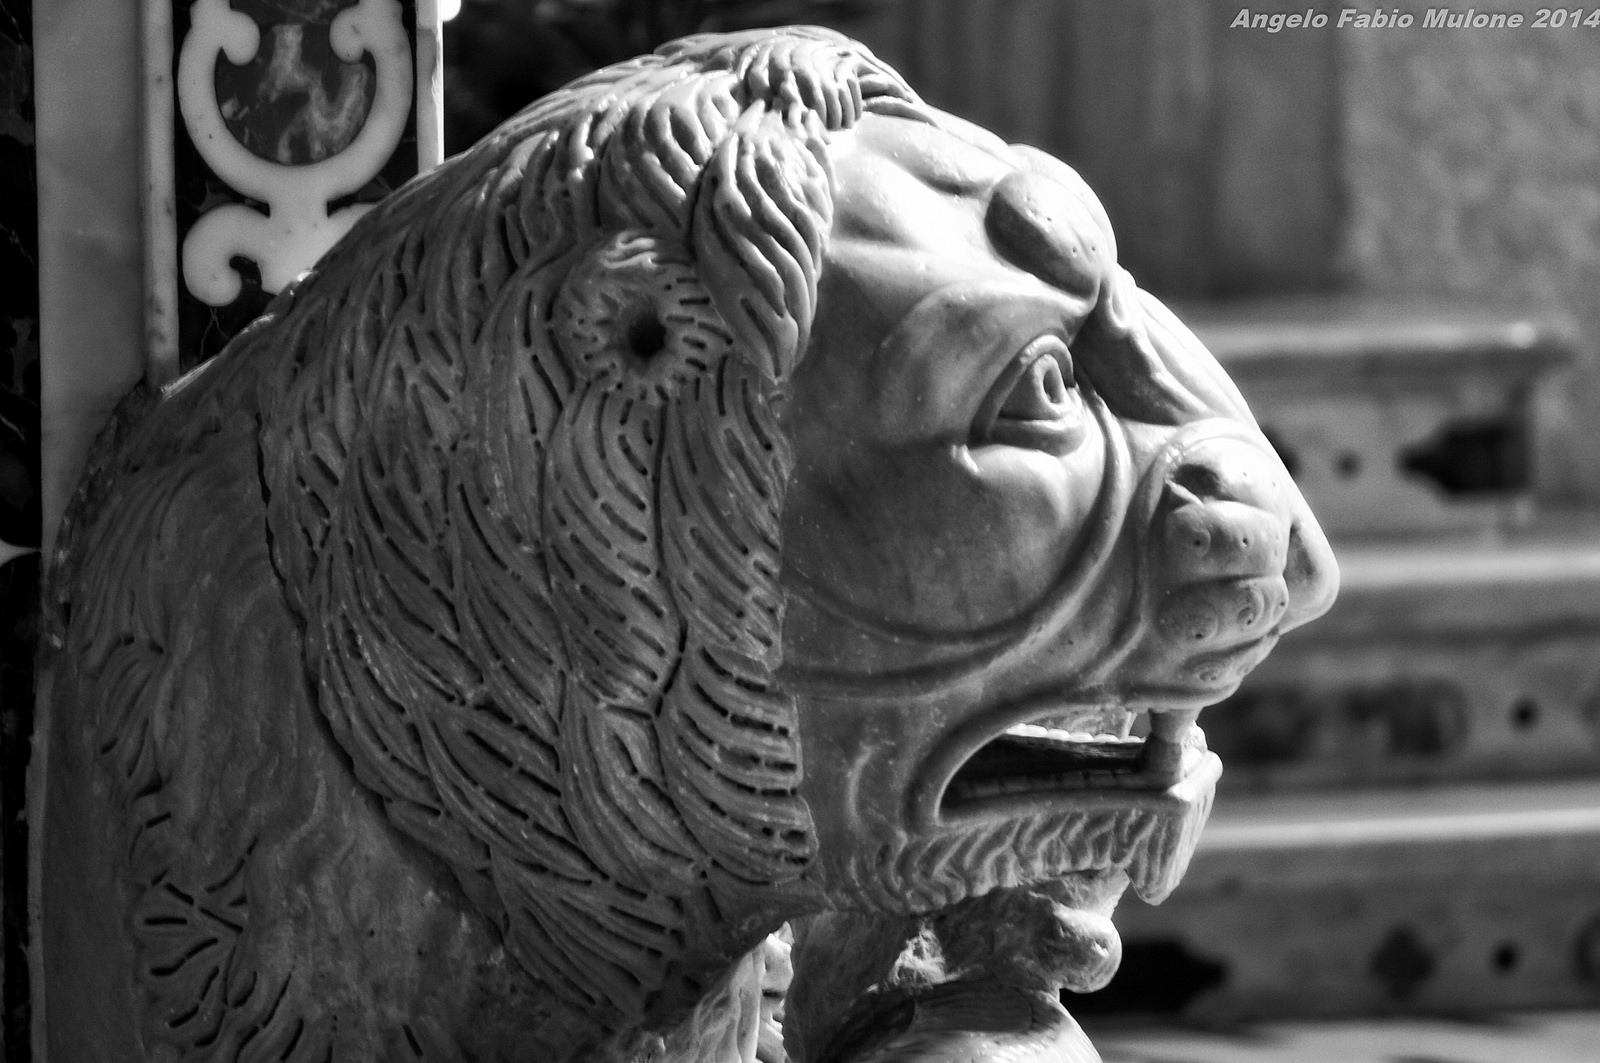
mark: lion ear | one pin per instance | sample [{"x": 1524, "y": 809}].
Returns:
[{"x": 633, "y": 313}]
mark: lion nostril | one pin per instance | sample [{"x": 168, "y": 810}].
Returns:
[{"x": 1202, "y": 481}]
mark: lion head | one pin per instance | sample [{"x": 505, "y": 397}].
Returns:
[
  {"x": 1028, "y": 514},
  {"x": 736, "y": 490}
]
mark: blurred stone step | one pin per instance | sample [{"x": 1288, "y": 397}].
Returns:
[
  {"x": 1538, "y": 1037},
  {"x": 1394, "y": 417},
  {"x": 1438, "y": 663},
  {"x": 1447, "y": 900}
]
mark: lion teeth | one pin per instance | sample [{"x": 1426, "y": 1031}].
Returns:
[
  {"x": 1173, "y": 743},
  {"x": 1172, "y": 724},
  {"x": 1055, "y": 735}
]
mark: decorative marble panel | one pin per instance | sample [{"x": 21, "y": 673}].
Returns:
[{"x": 271, "y": 126}]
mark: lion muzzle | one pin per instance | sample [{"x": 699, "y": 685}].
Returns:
[{"x": 1236, "y": 561}]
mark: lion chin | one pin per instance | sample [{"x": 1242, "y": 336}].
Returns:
[{"x": 734, "y": 504}]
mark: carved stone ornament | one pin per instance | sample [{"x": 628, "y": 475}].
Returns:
[
  {"x": 297, "y": 227},
  {"x": 697, "y": 558}
]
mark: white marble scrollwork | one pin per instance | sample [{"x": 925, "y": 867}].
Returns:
[{"x": 297, "y": 227}]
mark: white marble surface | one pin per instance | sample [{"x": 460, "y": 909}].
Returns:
[{"x": 87, "y": 92}]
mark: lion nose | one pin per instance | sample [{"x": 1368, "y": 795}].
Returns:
[{"x": 1236, "y": 515}]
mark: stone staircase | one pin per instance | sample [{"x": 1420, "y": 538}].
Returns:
[{"x": 1409, "y": 820}]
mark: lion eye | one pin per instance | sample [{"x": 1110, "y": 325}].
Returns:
[
  {"x": 1034, "y": 402},
  {"x": 1043, "y": 384}
]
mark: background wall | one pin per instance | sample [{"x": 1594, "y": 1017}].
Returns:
[
  {"x": 1471, "y": 168},
  {"x": 1215, "y": 151}
]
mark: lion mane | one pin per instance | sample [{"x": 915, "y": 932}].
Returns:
[
  {"x": 524, "y": 482},
  {"x": 514, "y": 454}
]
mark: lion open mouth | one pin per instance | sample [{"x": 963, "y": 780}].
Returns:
[{"x": 1057, "y": 755}]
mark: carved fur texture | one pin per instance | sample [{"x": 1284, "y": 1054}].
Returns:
[{"x": 452, "y": 584}]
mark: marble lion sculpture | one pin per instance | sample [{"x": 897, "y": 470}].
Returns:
[{"x": 735, "y": 506}]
